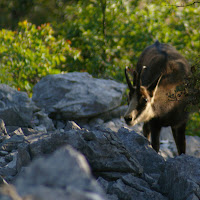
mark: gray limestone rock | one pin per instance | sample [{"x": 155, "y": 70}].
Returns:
[
  {"x": 77, "y": 95},
  {"x": 23, "y": 156},
  {"x": 63, "y": 175},
  {"x": 3, "y": 130},
  {"x": 102, "y": 148},
  {"x": 181, "y": 178},
  {"x": 9, "y": 169},
  {"x": 16, "y": 109},
  {"x": 139, "y": 147}
]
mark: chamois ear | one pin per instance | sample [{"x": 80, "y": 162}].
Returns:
[
  {"x": 145, "y": 93},
  {"x": 153, "y": 86}
]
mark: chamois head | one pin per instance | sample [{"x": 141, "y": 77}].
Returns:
[{"x": 140, "y": 99}]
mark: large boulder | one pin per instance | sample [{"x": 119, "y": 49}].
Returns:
[
  {"x": 103, "y": 150},
  {"x": 63, "y": 175},
  {"x": 77, "y": 95},
  {"x": 16, "y": 109},
  {"x": 140, "y": 148},
  {"x": 181, "y": 178}
]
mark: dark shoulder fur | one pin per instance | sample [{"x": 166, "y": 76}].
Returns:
[{"x": 161, "y": 58}]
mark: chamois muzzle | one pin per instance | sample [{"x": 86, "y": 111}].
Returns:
[{"x": 128, "y": 119}]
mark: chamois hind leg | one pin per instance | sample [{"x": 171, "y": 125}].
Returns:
[
  {"x": 179, "y": 137},
  {"x": 146, "y": 131},
  {"x": 155, "y": 135}
]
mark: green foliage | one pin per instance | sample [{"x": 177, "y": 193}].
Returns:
[
  {"x": 193, "y": 126},
  {"x": 31, "y": 52},
  {"x": 112, "y": 39}
]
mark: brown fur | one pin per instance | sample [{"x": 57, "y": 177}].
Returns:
[{"x": 166, "y": 69}]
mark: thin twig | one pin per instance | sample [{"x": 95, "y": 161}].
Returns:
[{"x": 191, "y": 4}]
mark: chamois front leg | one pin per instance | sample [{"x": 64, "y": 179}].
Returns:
[
  {"x": 179, "y": 137},
  {"x": 155, "y": 135},
  {"x": 146, "y": 131}
]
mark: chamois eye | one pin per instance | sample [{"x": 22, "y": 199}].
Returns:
[{"x": 143, "y": 100}]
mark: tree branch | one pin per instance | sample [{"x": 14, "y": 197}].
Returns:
[
  {"x": 193, "y": 3},
  {"x": 103, "y": 7}
]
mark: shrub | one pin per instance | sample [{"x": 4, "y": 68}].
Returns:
[{"x": 30, "y": 53}]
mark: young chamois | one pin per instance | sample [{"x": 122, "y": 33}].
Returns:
[{"x": 154, "y": 98}]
